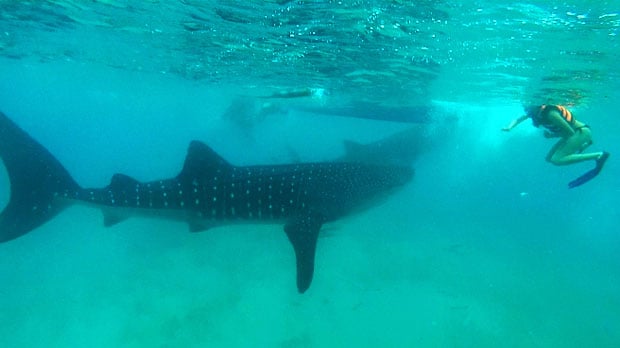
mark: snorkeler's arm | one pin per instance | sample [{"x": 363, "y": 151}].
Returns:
[
  {"x": 515, "y": 123},
  {"x": 564, "y": 128},
  {"x": 550, "y": 135}
]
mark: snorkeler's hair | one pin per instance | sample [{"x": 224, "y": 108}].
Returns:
[{"x": 531, "y": 110}]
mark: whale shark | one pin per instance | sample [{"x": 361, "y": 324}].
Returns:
[
  {"x": 402, "y": 147},
  {"x": 208, "y": 191}
]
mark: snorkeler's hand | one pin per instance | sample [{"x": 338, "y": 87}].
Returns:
[
  {"x": 510, "y": 126},
  {"x": 514, "y": 123}
]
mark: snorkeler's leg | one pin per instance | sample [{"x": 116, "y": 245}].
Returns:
[
  {"x": 566, "y": 152},
  {"x": 554, "y": 149},
  {"x": 561, "y": 158},
  {"x": 584, "y": 137},
  {"x": 584, "y": 146}
]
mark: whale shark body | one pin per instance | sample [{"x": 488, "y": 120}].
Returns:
[{"x": 209, "y": 191}]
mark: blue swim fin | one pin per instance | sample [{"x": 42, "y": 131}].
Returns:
[{"x": 591, "y": 174}]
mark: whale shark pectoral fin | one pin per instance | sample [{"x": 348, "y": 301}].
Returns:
[{"x": 303, "y": 233}]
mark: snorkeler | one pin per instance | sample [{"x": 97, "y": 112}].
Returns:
[
  {"x": 317, "y": 93},
  {"x": 575, "y": 138}
]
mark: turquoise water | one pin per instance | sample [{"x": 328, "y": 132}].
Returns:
[{"x": 486, "y": 247}]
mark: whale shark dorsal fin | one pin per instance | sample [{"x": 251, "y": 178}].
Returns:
[
  {"x": 202, "y": 160},
  {"x": 352, "y": 147},
  {"x": 122, "y": 182},
  {"x": 119, "y": 183}
]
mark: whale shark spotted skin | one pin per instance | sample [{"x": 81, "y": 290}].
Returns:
[{"x": 209, "y": 191}]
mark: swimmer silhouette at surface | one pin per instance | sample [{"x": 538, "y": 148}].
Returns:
[{"x": 575, "y": 137}]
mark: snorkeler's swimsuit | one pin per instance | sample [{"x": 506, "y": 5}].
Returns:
[{"x": 578, "y": 129}]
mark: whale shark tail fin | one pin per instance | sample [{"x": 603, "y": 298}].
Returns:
[{"x": 36, "y": 178}]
